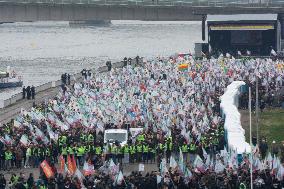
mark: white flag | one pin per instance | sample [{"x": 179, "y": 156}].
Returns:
[
  {"x": 248, "y": 53},
  {"x": 119, "y": 178},
  {"x": 159, "y": 179},
  {"x": 205, "y": 155},
  {"x": 173, "y": 163},
  {"x": 219, "y": 167},
  {"x": 198, "y": 163},
  {"x": 17, "y": 124},
  {"x": 24, "y": 140},
  {"x": 273, "y": 52}
]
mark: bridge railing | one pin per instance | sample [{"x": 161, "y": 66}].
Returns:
[{"x": 209, "y": 3}]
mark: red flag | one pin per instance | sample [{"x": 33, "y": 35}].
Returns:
[
  {"x": 47, "y": 169},
  {"x": 71, "y": 167},
  {"x": 74, "y": 163},
  {"x": 62, "y": 164}
]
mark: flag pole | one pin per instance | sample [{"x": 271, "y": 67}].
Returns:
[
  {"x": 257, "y": 112},
  {"x": 250, "y": 139}
]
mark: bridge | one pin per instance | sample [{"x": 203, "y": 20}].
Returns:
[{"x": 154, "y": 10}]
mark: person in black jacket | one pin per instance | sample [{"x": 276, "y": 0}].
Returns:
[
  {"x": 33, "y": 92},
  {"x": 30, "y": 181},
  {"x": 24, "y": 92},
  {"x": 2, "y": 182},
  {"x": 28, "y": 90},
  {"x": 125, "y": 61}
]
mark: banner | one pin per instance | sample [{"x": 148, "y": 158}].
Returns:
[
  {"x": 141, "y": 167},
  {"x": 46, "y": 169},
  {"x": 88, "y": 169},
  {"x": 71, "y": 166},
  {"x": 62, "y": 164}
]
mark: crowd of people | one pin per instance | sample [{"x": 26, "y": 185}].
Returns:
[{"x": 182, "y": 131}]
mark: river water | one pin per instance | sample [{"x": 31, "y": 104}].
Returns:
[{"x": 42, "y": 51}]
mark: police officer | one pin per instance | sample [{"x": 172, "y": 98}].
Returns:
[
  {"x": 139, "y": 151},
  {"x": 120, "y": 153},
  {"x": 98, "y": 151},
  {"x": 64, "y": 152},
  {"x": 90, "y": 138},
  {"x": 113, "y": 151},
  {"x": 71, "y": 150},
  {"x": 192, "y": 152},
  {"x": 132, "y": 153},
  {"x": 80, "y": 152},
  {"x": 126, "y": 153},
  {"x": 152, "y": 153},
  {"x": 145, "y": 152},
  {"x": 184, "y": 150},
  {"x": 169, "y": 149},
  {"x": 8, "y": 158}
]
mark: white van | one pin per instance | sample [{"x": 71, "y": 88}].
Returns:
[{"x": 112, "y": 135}]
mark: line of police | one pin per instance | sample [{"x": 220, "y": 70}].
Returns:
[{"x": 142, "y": 150}]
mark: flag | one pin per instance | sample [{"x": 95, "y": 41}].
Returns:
[
  {"x": 80, "y": 176},
  {"x": 273, "y": 52},
  {"x": 66, "y": 169},
  {"x": 280, "y": 173},
  {"x": 8, "y": 139},
  {"x": 239, "y": 53},
  {"x": 17, "y": 124},
  {"x": 198, "y": 163},
  {"x": 24, "y": 140},
  {"x": 219, "y": 167},
  {"x": 208, "y": 161},
  {"x": 159, "y": 179},
  {"x": 257, "y": 164},
  {"x": 183, "y": 67},
  {"x": 205, "y": 155},
  {"x": 180, "y": 161},
  {"x": 188, "y": 173},
  {"x": 46, "y": 169},
  {"x": 119, "y": 178},
  {"x": 163, "y": 167},
  {"x": 113, "y": 169},
  {"x": 62, "y": 164},
  {"x": 173, "y": 163},
  {"x": 248, "y": 53},
  {"x": 70, "y": 164},
  {"x": 74, "y": 162},
  {"x": 88, "y": 168}
]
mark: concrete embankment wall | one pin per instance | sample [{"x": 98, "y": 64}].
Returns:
[{"x": 17, "y": 97}]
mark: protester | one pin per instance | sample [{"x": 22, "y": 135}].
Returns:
[{"x": 178, "y": 109}]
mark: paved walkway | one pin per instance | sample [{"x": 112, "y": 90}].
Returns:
[{"x": 9, "y": 112}]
